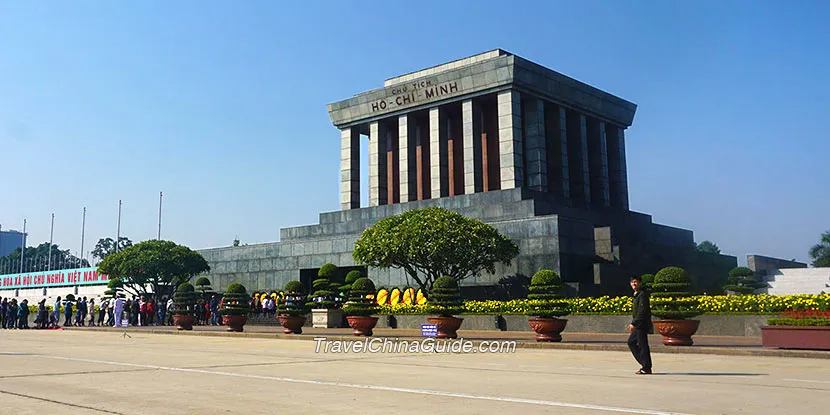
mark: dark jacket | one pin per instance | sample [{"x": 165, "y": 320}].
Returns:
[{"x": 641, "y": 311}]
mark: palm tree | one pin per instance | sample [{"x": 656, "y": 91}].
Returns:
[{"x": 821, "y": 251}]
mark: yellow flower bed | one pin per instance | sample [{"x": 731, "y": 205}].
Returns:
[{"x": 744, "y": 304}]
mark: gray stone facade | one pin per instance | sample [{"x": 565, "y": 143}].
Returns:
[{"x": 538, "y": 155}]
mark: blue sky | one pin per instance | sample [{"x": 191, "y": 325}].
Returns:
[{"x": 222, "y": 106}]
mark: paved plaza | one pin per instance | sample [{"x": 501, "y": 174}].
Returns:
[{"x": 91, "y": 371}]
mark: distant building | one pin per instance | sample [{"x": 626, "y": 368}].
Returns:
[{"x": 11, "y": 240}]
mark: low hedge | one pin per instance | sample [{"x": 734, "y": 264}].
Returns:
[
  {"x": 720, "y": 304},
  {"x": 798, "y": 322}
]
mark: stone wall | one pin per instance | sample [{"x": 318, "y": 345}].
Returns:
[{"x": 761, "y": 264}]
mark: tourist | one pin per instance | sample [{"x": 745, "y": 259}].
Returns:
[
  {"x": 3, "y": 305},
  {"x": 136, "y": 311},
  {"x": 640, "y": 326},
  {"x": 91, "y": 309},
  {"x": 119, "y": 308},
  {"x": 67, "y": 312},
  {"x": 56, "y": 312},
  {"x": 151, "y": 313},
  {"x": 170, "y": 305},
  {"x": 11, "y": 314},
  {"x": 23, "y": 315},
  {"x": 42, "y": 320},
  {"x": 102, "y": 309}
]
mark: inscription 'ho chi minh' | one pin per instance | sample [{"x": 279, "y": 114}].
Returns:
[{"x": 416, "y": 92}]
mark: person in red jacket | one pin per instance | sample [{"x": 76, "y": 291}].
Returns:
[
  {"x": 142, "y": 310},
  {"x": 151, "y": 313}
]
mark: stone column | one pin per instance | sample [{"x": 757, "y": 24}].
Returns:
[
  {"x": 435, "y": 152},
  {"x": 472, "y": 170},
  {"x": 377, "y": 166},
  {"x": 510, "y": 139},
  {"x": 403, "y": 156},
  {"x": 536, "y": 159},
  {"x": 563, "y": 137},
  {"x": 350, "y": 168},
  {"x": 617, "y": 175},
  {"x": 583, "y": 145},
  {"x": 605, "y": 191}
]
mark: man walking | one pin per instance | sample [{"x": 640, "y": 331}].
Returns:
[{"x": 640, "y": 327}]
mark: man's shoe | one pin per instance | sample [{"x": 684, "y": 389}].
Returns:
[{"x": 643, "y": 372}]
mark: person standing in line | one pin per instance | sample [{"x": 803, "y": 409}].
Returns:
[
  {"x": 118, "y": 309},
  {"x": 640, "y": 326},
  {"x": 91, "y": 312},
  {"x": 11, "y": 316},
  {"x": 102, "y": 309},
  {"x": 3, "y": 305},
  {"x": 56, "y": 312},
  {"x": 23, "y": 314},
  {"x": 170, "y": 311},
  {"x": 67, "y": 312}
]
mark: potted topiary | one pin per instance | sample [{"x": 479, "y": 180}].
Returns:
[
  {"x": 203, "y": 284},
  {"x": 673, "y": 305},
  {"x": 292, "y": 308},
  {"x": 545, "y": 305},
  {"x": 324, "y": 313},
  {"x": 184, "y": 306},
  {"x": 351, "y": 277},
  {"x": 742, "y": 280},
  {"x": 445, "y": 295},
  {"x": 361, "y": 306},
  {"x": 235, "y": 307}
]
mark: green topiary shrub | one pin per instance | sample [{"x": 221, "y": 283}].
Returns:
[
  {"x": 671, "y": 296},
  {"x": 544, "y": 292},
  {"x": 360, "y": 301},
  {"x": 184, "y": 300},
  {"x": 743, "y": 280},
  {"x": 323, "y": 291},
  {"x": 445, "y": 296},
  {"x": 351, "y": 277},
  {"x": 648, "y": 280},
  {"x": 294, "y": 303},
  {"x": 235, "y": 301}
]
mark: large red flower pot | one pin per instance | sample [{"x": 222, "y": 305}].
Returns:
[
  {"x": 796, "y": 337},
  {"x": 234, "y": 323},
  {"x": 183, "y": 322},
  {"x": 677, "y": 332},
  {"x": 548, "y": 329},
  {"x": 292, "y": 324},
  {"x": 362, "y": 325},
  {"x": 447, "y": 326}
]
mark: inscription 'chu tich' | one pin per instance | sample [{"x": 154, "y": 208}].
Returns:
[{"x": 423, "y": 91}]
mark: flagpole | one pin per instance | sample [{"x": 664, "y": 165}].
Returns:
[
  {"x": 51, "y": 233},
  {"x": 160, "y": 195},
  {"x": 83, "y": 228},
  {"x": 23, "y": 246},
  {"x": 118, "y": 234}
]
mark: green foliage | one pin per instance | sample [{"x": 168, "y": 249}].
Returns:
[
  {"x": 41, "y": 252},
  {"x": 648, "y": 280},
  {"x": 351, "y": 277},
  {"x": 327, "y": 270},
  {"x": 106, "y": 246},
  {"x": 294, "y": 303},
  {"x": 70, "y": 297},
  {"x": 361, "y": 302},
  {"x": 671, "y": 299},
  {"x": 798, "y": 322},
  {"x": 743, "y": 280},
  {"x": 546, "y": 302},
  {"x": 159, "y": 265},
  {"x": 432, "y": 242},
  {"x": 235, "y": 301},
  {"x": 708, "y": 247},
  {"x": 184, "y": 300},
  {"x": 445, "y": 296},
  {"x": 820, "y": 253}
]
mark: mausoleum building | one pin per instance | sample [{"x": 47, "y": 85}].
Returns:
[{"x": 538, "y": 155}]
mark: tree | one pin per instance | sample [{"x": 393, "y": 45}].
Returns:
[
  {"x": 743, "y": 280},
  {"x": 432, "y": 242},
  {"x": 158, "y": 266},
  {"x": 820, "y": 253},
  {"x": 236, "y": 242},
  {"x": 106, "y": 246},
  {"x": 708, "y": 247},
  {"x": 37, "y": 259},
  {"x": 203, "y": 284}
]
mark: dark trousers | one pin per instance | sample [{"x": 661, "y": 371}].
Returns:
[{"x": 638, "y": 344}]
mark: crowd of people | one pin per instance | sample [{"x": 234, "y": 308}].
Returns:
[{"x": 83, "y": 311}]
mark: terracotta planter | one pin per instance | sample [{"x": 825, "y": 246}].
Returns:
[
  {"x": 548, "y": 329},
  {"x": 234, "y": 323},
  {"x": 447, "y": 326},
  {"x": 796, "y": 337},
  {"x": 183, "y": 322},
  {"x": 677, "y": 332},
  {"x": 362, "y": 325},
  {"x": 292, "y": 324}
]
